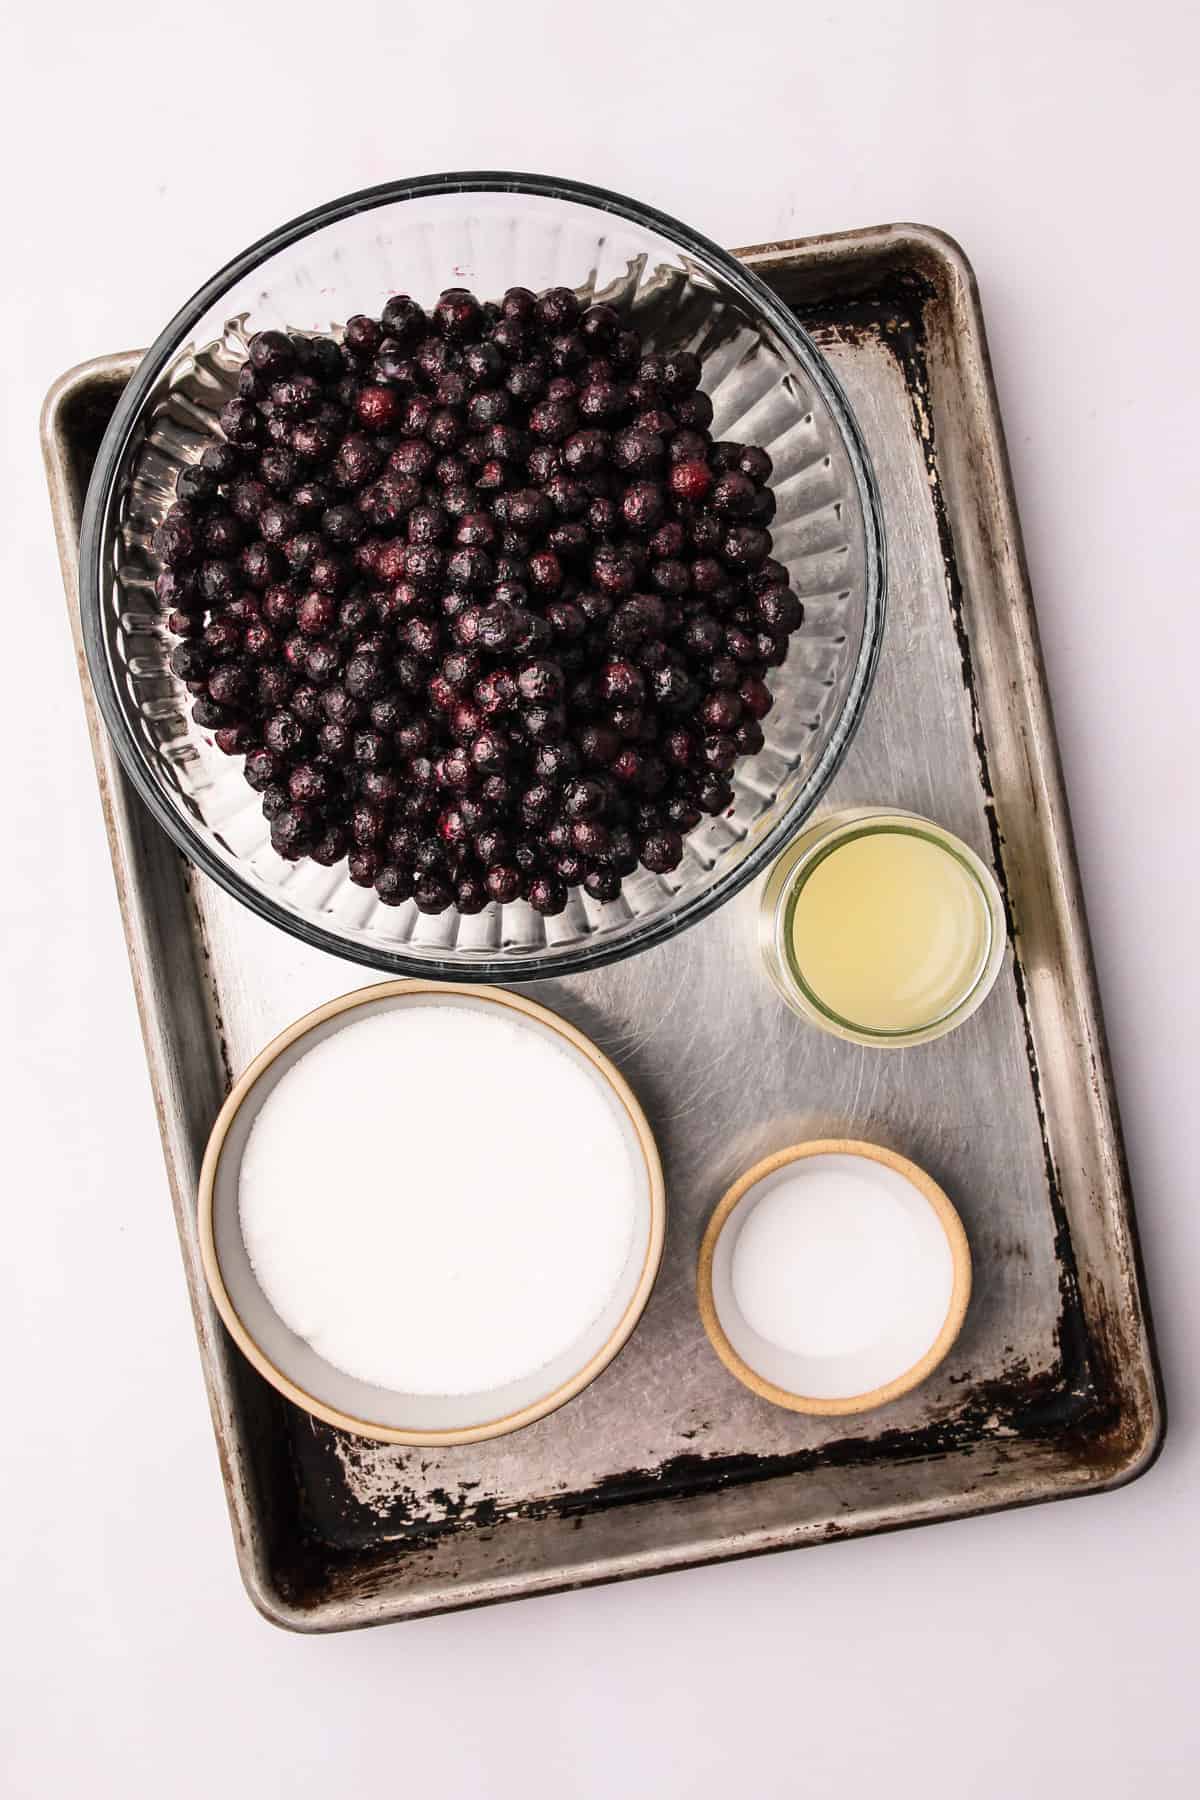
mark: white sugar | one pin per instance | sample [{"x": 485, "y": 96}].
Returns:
[
  {"x": 440, "y": 1199},
  {"x": 838, "y": 1256}
]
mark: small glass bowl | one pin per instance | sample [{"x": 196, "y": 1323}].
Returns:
[
  {"x": 768, "y": 384},
  {"x": 785, "y": 884}
]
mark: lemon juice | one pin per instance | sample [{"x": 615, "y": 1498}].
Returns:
[{"x": 882, "y": 927}]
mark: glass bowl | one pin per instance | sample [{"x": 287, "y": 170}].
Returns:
[{"x": 769, "y": 385}]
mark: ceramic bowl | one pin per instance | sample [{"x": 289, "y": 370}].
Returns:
[
  {"x": 843, "y": 1367},
  {"x": 293, "y": 1366}
]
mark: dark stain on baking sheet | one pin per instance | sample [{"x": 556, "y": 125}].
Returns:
[
  {"x": 344, "y": 1553},
  {"x": 1047, "y": 1407}
]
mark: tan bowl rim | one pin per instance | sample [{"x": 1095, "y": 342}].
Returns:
[
  {"x": 960, "y": 1291},
  {"x": 537, "y": 1409}
]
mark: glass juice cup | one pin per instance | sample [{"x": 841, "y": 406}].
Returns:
[{"x": 881, "y": 927}]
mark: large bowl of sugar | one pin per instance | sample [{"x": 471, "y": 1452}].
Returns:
[{"x": 431, "y": 1213}]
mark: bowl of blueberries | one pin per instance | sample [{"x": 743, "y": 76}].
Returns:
[{"x": 482, "y": 576}]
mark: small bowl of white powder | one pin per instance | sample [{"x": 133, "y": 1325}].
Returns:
[
  {"x": 833, "y": 1277},
  {"x": 431, "y": 1213}
]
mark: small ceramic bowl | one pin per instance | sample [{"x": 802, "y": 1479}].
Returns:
[
  {"x": 895, "y": 1210},
  {"x": 291, "y": 1364}
]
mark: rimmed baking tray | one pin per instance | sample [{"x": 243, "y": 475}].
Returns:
[{"x": 1051, "y": 1389}]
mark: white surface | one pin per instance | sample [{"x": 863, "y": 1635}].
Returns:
[{"x": 1034, "y": 1653}]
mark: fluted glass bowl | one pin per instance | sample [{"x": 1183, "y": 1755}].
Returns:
[{"x": 768, "y": 384}]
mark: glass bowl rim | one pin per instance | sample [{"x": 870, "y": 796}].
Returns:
[{"x": 550, "y": 961}]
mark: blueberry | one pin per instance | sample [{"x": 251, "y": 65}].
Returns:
[
  {"x": 547, "y": 894},
  {"x": 292, "y": 832},
  {"x": 557, "y": 310}
]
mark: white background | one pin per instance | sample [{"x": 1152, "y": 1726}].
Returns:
[{"x": 1035, "y": 1653}]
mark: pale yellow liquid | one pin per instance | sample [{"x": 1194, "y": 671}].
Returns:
[{"x": 890, "y": 932}]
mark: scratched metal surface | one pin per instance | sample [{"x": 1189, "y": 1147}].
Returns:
[
  {"x": 728, "y": 1073},
  {"x": 1050, "y": 1388}
]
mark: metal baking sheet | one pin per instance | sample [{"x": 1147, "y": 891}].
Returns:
[{"x": 1051, "y": 1390}]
